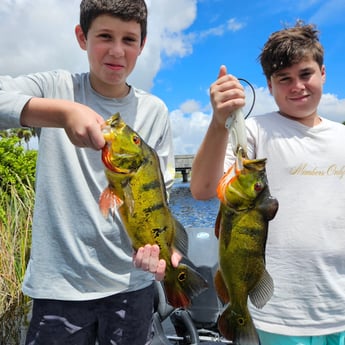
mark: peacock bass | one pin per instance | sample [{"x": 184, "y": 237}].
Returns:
[
  {"x": 136, "y": 188},
  {"x": 246, "y": 207}
]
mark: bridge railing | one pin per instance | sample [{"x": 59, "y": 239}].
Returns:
[{"x": 183, "y": 164}]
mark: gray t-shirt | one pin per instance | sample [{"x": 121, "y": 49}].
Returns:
[{"x": 76, "y": 253}]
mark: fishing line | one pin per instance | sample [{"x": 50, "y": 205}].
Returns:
[{"x": 253, "y": 91}]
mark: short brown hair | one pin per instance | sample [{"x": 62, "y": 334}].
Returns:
[
  {"x": 126, "y": 10},
  {"x": 289, "y": 46}
]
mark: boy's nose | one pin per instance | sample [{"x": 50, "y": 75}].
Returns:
[
  {"x": 116, "y": 50},
  {"x": 298, "y": 84}
]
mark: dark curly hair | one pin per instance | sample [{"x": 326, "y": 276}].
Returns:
[{"x": 289, "y": 46}]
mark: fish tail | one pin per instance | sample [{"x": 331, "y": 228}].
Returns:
[
  {"x": 238, "y": 327},
  {"x": 182, "y": 284}
]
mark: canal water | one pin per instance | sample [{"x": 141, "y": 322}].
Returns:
[{"x": 190, "y": 212}]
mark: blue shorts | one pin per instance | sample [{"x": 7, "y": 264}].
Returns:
[
  {"x": 122, "y": 319},
  {"x": 277, "y": 339}
]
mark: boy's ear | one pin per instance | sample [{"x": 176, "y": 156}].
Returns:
[
  {"x": 269, "y": 84},
  {"x": 80, "y": 37},
  {"x": 323, "y": 73},
  {"x": 142, "y": 45}
]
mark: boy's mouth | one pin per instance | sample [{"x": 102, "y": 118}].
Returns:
[
  {"x": 115, "y": 67},
  {"x": 299, "y": 98}
]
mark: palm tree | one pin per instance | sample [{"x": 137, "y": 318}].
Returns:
[{"x": 23, "y": 133}]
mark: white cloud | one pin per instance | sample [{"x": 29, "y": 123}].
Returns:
[
  {"x": 190, "y": 106},
  {"x": 45, "y": 40},
  {"x": 166, "y": 22},
  {"x": 234, "y": 25},
  {"x": 39, "y": 35},
  {"x": 332, "y": 107},
  {"x": 188, "y": 130}
]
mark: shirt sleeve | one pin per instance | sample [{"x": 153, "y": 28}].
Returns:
[
  {"x": 12, "y": 101},
  {"x": 16, "y": 92}
]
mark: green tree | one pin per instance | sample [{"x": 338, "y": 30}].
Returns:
[
  {"x": 17, "y": 167},
  {"x": 24, "y": 134}
]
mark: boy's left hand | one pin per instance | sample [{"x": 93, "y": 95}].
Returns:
[{"x": 147, "y": 258}]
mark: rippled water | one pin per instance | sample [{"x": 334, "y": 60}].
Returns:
[{"x": 190, "y": 212}]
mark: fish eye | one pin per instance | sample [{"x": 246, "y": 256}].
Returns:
[
  {"x": 182, "y": 277},
  {"x": 136, "y": 139},
  {"x": 241, "y": 321}
]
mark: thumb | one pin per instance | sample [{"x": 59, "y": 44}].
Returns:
[{"x": 222, "y": 71}]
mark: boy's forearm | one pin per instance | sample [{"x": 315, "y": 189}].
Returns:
[
  {"x": 208, "y": 165},
  {"x": 43, "y": 112},
  {"x": 81, "y": 123}
]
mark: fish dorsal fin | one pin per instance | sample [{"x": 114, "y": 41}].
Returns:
[
  {"x": 180, "y": 238},
  {"x": 263, "y": 291}
]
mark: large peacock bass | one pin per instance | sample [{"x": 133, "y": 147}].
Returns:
[
  {"x": 246, "y": 207},
  {"x": 136, "y": 188}
]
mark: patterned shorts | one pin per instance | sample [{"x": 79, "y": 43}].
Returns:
[{"x": 121, "y": 319}]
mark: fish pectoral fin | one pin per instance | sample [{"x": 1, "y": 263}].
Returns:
[
  {"x": 217, "y": 224},
  {"x": 221, "y": 289},
  {"x": 263, "y": 291},
  {"x": 180, "y": 238},
  {"x": 129, "y": 199},
  {"x": 109, "y": 201}
]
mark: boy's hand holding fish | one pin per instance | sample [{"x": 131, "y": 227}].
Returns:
[
  {"x": 147, "y": 258},
  {"x": 81, "y": 123},
  {"x": 222, "y": 94},
  {"x": 226, "y": 95}
]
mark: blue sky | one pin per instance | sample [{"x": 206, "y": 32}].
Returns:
[
  {"x": 187, "y": 42},
  {"x": 233, "y": 33}
]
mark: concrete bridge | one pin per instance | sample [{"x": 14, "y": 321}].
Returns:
[{"x": 183, "y": 164}]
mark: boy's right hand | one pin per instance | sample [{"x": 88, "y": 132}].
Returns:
[
  {"x": 83, "y": 127},
  {"x": 227, "y": 95},
  {"x": 81, "y": 123}
]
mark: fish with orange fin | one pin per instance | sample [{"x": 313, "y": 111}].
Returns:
[
  {"x": 137, "y": 191},
  {"x": 246, "y": 207}
]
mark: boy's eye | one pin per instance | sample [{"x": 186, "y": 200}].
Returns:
[
  {"x": 284, "y": 79},
  {"x": 105, "y": 36},
  {"x": 305, "y": 75},
  {"x": 129, "y": 39}
]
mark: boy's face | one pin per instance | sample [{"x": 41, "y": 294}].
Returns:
[
  {"x": 297, "y": 90},
  {"x": 113, "y": 47}
]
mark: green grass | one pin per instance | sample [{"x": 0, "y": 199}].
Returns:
[{"x": 15, "y": 242}]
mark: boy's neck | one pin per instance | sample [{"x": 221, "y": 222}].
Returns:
[{"x": 116, "y": 91}]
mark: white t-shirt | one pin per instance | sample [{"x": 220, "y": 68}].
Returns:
[
  {"x": 305, "y": 251},
  {"x": 77, "y": 254}
]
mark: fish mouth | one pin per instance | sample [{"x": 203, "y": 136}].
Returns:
[
  {"x": 109, "y": 162},
  {"x": 119, "y": 169}
]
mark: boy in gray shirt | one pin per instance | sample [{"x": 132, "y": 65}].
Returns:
[{"x": 80, "y": 274}]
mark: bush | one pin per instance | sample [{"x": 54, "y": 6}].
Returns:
[{"x": 17, "y": 178}]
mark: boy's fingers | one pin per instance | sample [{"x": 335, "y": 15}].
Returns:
[
  {"x": 160, "y": 272},
  {"x": 222, "y": 71}
]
